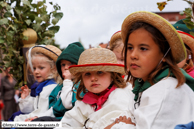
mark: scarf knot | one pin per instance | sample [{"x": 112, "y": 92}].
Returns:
[
  {"x": 141, "y": 86},
  {"x": 97, "y": 100}
]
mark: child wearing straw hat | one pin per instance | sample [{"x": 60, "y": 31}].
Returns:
[
  {"x": 100, "y": 78},
  {"x": 116, "y": 45},
  {"x": 163, "y": 94},
  {"x": 186, "y": 64},
  {"x": 42, "y": 60},
  {"x": 62, "y": 98}
]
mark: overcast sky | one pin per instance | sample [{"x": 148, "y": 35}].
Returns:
[{"x": 94, "y": 21}]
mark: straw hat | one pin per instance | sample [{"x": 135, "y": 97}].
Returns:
[
  {"x": 97, "y": 59},
  {"x": 49, "y": 50},
  {"x": 188, "y": 40},
  {"x": 176, "y": 44},
  {"x": 184, "y": 32},
  {"x": 115, "y": 36}
]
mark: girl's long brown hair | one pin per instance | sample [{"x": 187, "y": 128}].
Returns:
[{"x": 162, "y": 43}]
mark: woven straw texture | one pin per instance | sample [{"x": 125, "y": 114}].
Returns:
[
  {"x": 53, "y": 51},
  {"x": 189, "y": 41},
  {"x": 97, "y": 56},
  {"x": 177, "y": 46},
  {"x": 114, "y": 37}
]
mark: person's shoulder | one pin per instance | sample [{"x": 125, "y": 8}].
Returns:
[
  {"x": 49, "y": 88},
  {"x": 51, "y": 85},
  {"x": 82, "y": 106},
  {"x": 57, "y": 88},
  {"x": 122, "y": 92},
  {"x": 168, "y": 82}
]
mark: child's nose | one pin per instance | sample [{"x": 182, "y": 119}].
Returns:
[
  {"x": 36, "y": 71},
  {"x": 134, "y": 54},
  {"x": 93, "y": 77},
  {"x": 66, "y": 67}
]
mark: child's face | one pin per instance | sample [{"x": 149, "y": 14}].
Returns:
[
  {"x": 42, "y": 68},
  {"x": 143, "y": 54},
  {"x": 65, "y": 69},
  {"x": 118, "y": 53},
  {"x": 96, "y": 81}
]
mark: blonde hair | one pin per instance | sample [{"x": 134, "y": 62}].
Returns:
[
  {"x": 118, "y": 81},
  {"x": 54, "y": 74}
]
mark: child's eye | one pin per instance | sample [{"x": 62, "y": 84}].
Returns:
[
  {"x": 62, "y": 64},
  {"x": 130, "y": 48},
  {"x": 41, "y": 67},
  {"x": 99, "y": 72},
  {"x": 143, "y": 48},
  {"x": 87, "y": 74}
]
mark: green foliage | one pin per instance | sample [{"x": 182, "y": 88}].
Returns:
[
  {"x": 15, "y": 17},
  {"x": 188, "y": 12}
]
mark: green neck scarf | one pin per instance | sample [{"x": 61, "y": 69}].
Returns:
[{"x": 140, "y": 86}]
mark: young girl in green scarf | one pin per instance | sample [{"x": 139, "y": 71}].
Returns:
[{"x": 163, "y": 95}]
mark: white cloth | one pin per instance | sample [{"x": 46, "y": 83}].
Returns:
[
  {"x": 123, "y": 125},
  {"x": 26, "y": 105},
  {"x": 16, "y": 97},
  {"x": 66, "y": 93},
  {"x": 40, "y": 103},
  {"x": 66, "y": 97},
  {"x": 117, "y": 102},
  {"x": 163, "y": 106}
]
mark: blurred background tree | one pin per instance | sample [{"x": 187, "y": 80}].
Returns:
[
  {"x": 188, "y": 11},
  {"x": 15, "y": 17}
]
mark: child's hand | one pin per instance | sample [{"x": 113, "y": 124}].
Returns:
[
  {"x": 30, "y": 119},
  {"x": 124, "y": 119},
  {"x": 25, "y": 91},
  {"x": 66, "y": 74}
]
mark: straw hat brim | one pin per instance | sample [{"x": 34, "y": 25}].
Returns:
[
  {"x": 188, "y": 40},
  {"x": 49, "y": 50},
  {"x": 176, "y": 44},
  {"x": 118, "y": 68}
]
